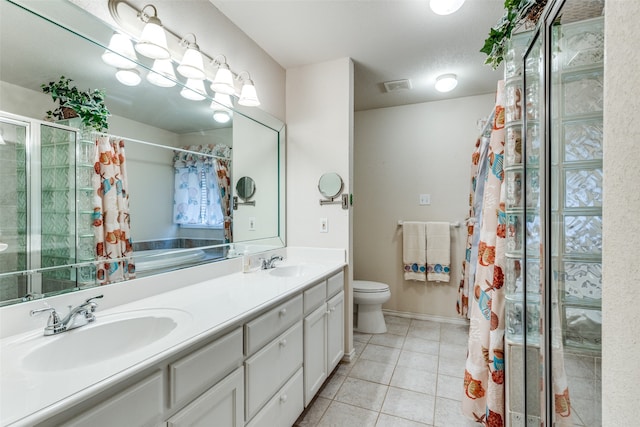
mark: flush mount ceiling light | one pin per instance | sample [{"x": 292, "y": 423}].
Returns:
[
  {"x": 129, "y": 77},
  {"x": 193, "y": 90},
  {"x": 445, "y": 7},
  {"x": 153, "y": 40},
  {"x": 192, "y": 65},
  {"x": 120, "y": 53},
  {"x": 162, "y": 74},
  {"x": 446, "y": 82},
  {"x": 221, "y": 116},
  {"x": 248, "y": 95},
  {"x": 223, "y": 81}
]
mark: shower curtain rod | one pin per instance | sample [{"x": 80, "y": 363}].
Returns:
[
  {"x": 486, "y": 130},
  {"x": 139, "y": 141}
]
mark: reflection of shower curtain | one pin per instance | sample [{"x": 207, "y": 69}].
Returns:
[
  {"x": 111, "y": 227},
  {"x": 190, "y": 171},
  {"x": 483, "y": 399}
]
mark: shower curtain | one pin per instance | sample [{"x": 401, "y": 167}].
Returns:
[
  {"x": 483, "y": 398},
  {"x": 111, "y": 220},
  {"x": 195, "y": 174}
]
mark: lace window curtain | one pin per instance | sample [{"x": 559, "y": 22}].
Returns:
[
  {"x": 202, "y": 187},
  {"x": 111, "y": 218}
]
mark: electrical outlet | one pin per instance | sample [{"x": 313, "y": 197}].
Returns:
[
  {"x": 425, "y": 199},
  {"x": 324, "y": 225},
  {"x": 252, "y": 223}
]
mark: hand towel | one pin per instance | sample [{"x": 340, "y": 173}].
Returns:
[
  {"x": 414, "y": 251},
  {"x": 438, "y": 251}
]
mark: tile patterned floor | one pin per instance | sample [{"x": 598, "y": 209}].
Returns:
[{"x": 409, "y": 377}]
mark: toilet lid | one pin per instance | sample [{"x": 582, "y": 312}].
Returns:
[{"x": 369, "y": 287}]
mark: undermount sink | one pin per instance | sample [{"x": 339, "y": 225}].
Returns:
[
  {"x": 108, "y": 337},
  {"x": 297, "y": 270}
]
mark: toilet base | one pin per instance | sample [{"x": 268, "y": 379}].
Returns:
[{"x": 370, "y": 320}]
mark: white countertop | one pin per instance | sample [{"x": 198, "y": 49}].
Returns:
[{"x": 203, "y": 308}]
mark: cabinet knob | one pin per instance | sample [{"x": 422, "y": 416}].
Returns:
[
  {"x": 283, "y": 312},
  {"x": 283, "y": 398},
  {"x": 283, "y": 343}
]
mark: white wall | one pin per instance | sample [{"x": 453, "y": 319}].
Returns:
[
  {"x": 319, "y": 140},
  {"x": 401, "y": 152},
  {"x": 621, "y": 229}
]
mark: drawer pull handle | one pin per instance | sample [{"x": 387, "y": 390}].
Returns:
[
  {"x": 283, "y": 343},
  {"x": 283, "y": 398},
  {"x": 283, "y": 312}
]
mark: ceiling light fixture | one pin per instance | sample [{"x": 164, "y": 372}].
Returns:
[
  {"x": 153, "y": 40},
  {"x": 446, "y": 82},
  {"x": 445, "y": 7},
  {"x": 162, "y": 74},
  {"x": 129, "y": 77},
  {"x": 221, "y": 116},
  {"x": 120, "y": 53},
  {"x": 248, "y": 95},
  {"x": 223, "y": 80},
  {"x": 192, "y": 65},
  {"x": 194, "y": 90}
]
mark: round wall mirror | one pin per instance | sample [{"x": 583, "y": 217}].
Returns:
[
  {"x": 330, "y": 185},
  {"x": 245, "y": 188}
]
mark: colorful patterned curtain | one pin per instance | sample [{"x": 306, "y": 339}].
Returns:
[
  {"x": 111, "y": 226},
  {"x": 207, "y": 164},
  {"x": 483, "y": 398}
]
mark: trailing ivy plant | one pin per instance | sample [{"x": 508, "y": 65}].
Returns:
[
  {"x": 89, "y": 105},
  {"x": 516, "y": 11}
]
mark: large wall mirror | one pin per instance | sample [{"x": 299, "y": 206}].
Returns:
[{"x": 171, "y": 146}]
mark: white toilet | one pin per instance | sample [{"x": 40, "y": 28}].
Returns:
[{"x": 368, "y": 298}]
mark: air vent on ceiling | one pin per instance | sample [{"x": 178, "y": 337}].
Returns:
[{"x": 396, "y": 85}]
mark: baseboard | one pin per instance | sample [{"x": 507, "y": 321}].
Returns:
[
  {"x": 349, "y": 357},
  {"x": 441, "y": 319}
]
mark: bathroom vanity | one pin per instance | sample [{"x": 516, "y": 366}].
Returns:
[{"x": 238, "y": 349}]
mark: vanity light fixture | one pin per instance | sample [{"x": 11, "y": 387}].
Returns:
[
  {"x": 446, "y": 82},
  {"x": 128, "y": 77},
  {"x": 445, "y": 7},
  {"x": 153, "y": 40},
  {"x": 193, "y": 90},
  {"x": 223, "y": 80},
  {"x": 192, "y": 65},
  {"x": 221, "y": 105},
  {"x": 120, "y": 53},
  {"x": 162, "y": 74},
  {"x": 248, "y": 94}
]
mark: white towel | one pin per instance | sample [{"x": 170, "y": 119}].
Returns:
[
  {"x": 438, "y": 251},
  {"x": 414, "y": 256}
]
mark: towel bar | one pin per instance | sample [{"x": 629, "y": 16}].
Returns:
[{"x": 456, "y": 224}]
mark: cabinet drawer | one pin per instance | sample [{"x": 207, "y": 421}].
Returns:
[
  {"x": 284, "y": 408},
  {"x": 271, "y": 367},
  {"x": 315, "y": 296},
  {"x": 138, "y": 405},
  {"x": 335, "y": 284},
  {"x": 196, "y": 372},
  {"x": 263, "y": 329}
]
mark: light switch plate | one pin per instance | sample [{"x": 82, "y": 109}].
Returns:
[
  {"x": 252, "y": 223},
  {"x": 425, "y": 199},
  {"x": 324, "y": 225}
]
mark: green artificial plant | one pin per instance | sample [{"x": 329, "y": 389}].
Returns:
[
  {"x": 516, "y": 12},
  {"x": 89, "y": 105}
]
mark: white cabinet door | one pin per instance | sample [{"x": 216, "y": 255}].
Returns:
[
  {"x": 335, "y": 330},
  {"x": 221, "y": 406},
  {"x": 315, "y": 352}
]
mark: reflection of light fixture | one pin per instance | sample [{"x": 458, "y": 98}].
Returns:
[
  {"x": 221, "y": 99},
  {"x": 446, "y": 82},
  {"x": 445, "y": 7},
  {"x": 223, "y": 81},
  {"x": 128, "y": 77},
  {"x": 153, "y": 40},
  {"x": 162, "y": 74},
  {"x": 248, "y": 94},
  {"x": 120, "y": 53},
  {"x": 193, "y": 90},
  {"x": 192, "y": 65},
  {"x": 221, "y": 116}
]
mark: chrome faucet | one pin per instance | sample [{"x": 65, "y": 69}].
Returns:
[
  {"x": 77, "y": 317},
  {"x": 266, "y": 264}
]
